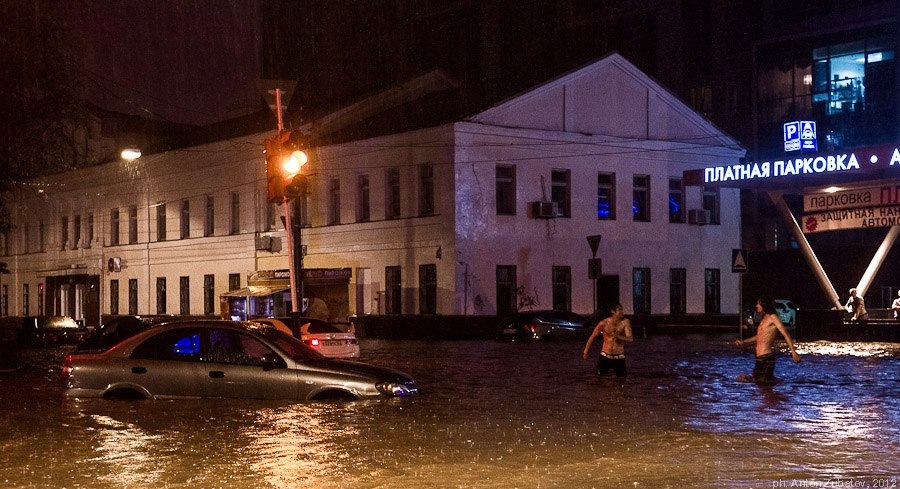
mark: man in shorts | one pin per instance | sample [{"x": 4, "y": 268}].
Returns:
[
  {"x": 616, "y": 331},
  {"x": 766, "y": 333}
]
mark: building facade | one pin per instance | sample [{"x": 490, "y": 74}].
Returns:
[{"x": 486, "y": 215}]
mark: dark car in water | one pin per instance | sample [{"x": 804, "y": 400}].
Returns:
[
  {"x": 224, "y": 359},
  {"x": 543, "y": 325},
  {"x": 38, "y": 331},
  {"x": 114, "y": 331}
]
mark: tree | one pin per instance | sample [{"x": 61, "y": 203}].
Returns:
[{"x": 41, "y": 111}]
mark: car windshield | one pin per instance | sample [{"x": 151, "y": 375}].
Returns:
[{"x": 293, "y": 347}]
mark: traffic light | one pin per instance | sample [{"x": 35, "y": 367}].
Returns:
[{"x": 283, "y": 164}]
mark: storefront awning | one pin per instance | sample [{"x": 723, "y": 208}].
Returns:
[{"x": 255, "y": 291}]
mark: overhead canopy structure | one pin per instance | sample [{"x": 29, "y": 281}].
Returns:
[{"x": 845, "y": 189}]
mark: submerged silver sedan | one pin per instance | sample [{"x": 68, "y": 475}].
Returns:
[{"x": 224, "y": 359}]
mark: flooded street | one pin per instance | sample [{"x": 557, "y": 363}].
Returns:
[{"x": 492, "y": 415}]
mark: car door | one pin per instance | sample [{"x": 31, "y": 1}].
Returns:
[
  {"x": 233, "y": 368},
  {"x": 167, "y": 365}
]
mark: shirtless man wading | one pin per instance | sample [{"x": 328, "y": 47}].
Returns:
[
  {"x": 616, "y": 331},
  {"x": 769, "y": 327}
]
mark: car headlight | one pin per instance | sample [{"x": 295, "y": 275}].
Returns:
[{"x": 397, "y": 389}]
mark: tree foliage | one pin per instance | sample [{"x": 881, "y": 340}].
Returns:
[{"x": 41, "y": 110}]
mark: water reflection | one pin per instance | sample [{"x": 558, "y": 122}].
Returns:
[{"x": 493, "y": 415}]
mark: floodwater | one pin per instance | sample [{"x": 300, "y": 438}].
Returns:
[{"x": 492, "y": 415}]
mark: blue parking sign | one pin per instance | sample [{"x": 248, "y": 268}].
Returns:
[
  {"x": 800, "y": 135},
  {"x": 808, "y": 136},
  {"x": 792, "y": 136}
]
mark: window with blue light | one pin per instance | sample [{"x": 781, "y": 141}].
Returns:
[
  {"x": 640, "y": 203},
  {"x": 676, "y": 200},
  {"x": 606, "y": 196}
]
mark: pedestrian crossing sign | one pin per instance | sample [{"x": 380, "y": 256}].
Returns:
[{"x": 739, "y": 260}]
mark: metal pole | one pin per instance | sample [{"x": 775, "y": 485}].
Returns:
[
  {"x": 877, "y": 260},
  {"x": 805, "y": 248},
  {"x": 287, "y": 216}
]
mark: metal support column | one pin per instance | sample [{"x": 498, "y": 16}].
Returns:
[
  {"x": 805, "y": 248},
  {"x": 877, "y": 260}
]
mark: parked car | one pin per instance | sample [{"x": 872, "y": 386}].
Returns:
[
  {"x": 329, "y": 339},
  {"x": 542, "y": 325},
  {"x": 785, "y": 309},
  {"x": 114, "y": 331},
  {"x": 224, "y": 359},
  {"x": 786, "y": 312},
  {"x": 40, "y": 331}
]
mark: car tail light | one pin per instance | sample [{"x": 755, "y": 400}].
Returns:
[
  {"x": 66, "y": 369},
  {"x": 313, "y": 342},
  {"x": 529, "y": 328}
]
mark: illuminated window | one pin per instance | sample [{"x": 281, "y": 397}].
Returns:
[
  {"x": 606, "y": 196},
  {"x": 640, "y": 203}
]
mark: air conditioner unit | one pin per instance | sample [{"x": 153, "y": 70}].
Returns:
[
  {"x": 698, "y": 216},
  {"x": 544, "y": 210},
  {"x": 264, "y": 243}
]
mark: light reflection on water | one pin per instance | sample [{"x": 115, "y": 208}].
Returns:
[{"x": 492, "y": 415}]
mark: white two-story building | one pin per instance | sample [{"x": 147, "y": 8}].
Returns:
[{"x": 498, "y": 212}]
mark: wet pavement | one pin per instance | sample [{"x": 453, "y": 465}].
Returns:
[{"x": 492, "y": 415}]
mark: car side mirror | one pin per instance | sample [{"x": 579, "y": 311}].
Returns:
[{"x": 271, "y": 361}]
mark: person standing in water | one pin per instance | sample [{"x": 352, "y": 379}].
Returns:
[
  {"x": 766, "y": 333},
  {"x": 616, "y": 331}
]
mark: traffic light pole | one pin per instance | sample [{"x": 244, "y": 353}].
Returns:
[{"x": 288, "y": 226}]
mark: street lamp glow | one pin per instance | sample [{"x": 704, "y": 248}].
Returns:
[{"x": 131, "y": 154}]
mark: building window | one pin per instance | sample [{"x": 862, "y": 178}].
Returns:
[
  {"x": 711, "y": 296},
  {"x": 560, "y": 182},
  {"x": 132, "y": 224},
  {"x": 506, "y": 289},
  {"x": 677, "y": 291},
  {"x": 4, "y": 301},
  {"x": 41, "y": 244},
  {"x": 185, "y": 219},
  {"x": 426, "y": 190},
  {"x": 26, "y": 298},
  {"x": 392, "y": 197},
  {"x": 234, "y": 281},
  {"x": 334, "y": 201},
  {"x": 184, "y": 296},
  {"x": 161, "y": 221},
  {"x": 362, "y": 199},
  {"x": 114, "y": 297},
  {"x": 235, "y": 227},
  {"x": 506, "y": 190},
  {"x": 40, "y": 298},
  {"x": 606, "y": 196},
  {"x": 676, "y": 200},
  {"x": 641, "y": 290},
  {"x": 209, "y": 294},
  {"x": 114, "y": 227},
  {"x": 392, "y": 291},
  {"x": 64, "y": 234},
  {"x": 848, "y": 86},
  {"x": 160, "y": 295},
  {"x": 209, "y": 223},
  {"x": 427, "y": 289},
  {"x": 133, "y": 296},
  {"x": 562, "y": 288},
  {"x": 640, "y": 202},
  {"x": 271, "y": 214},
  {"x": 89, "y": 230},
  {"x": 76, "y": 229},
  {"x": 711, "y": 203}
]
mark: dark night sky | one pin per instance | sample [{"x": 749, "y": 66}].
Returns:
[{"x": 191, "y": 62}]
